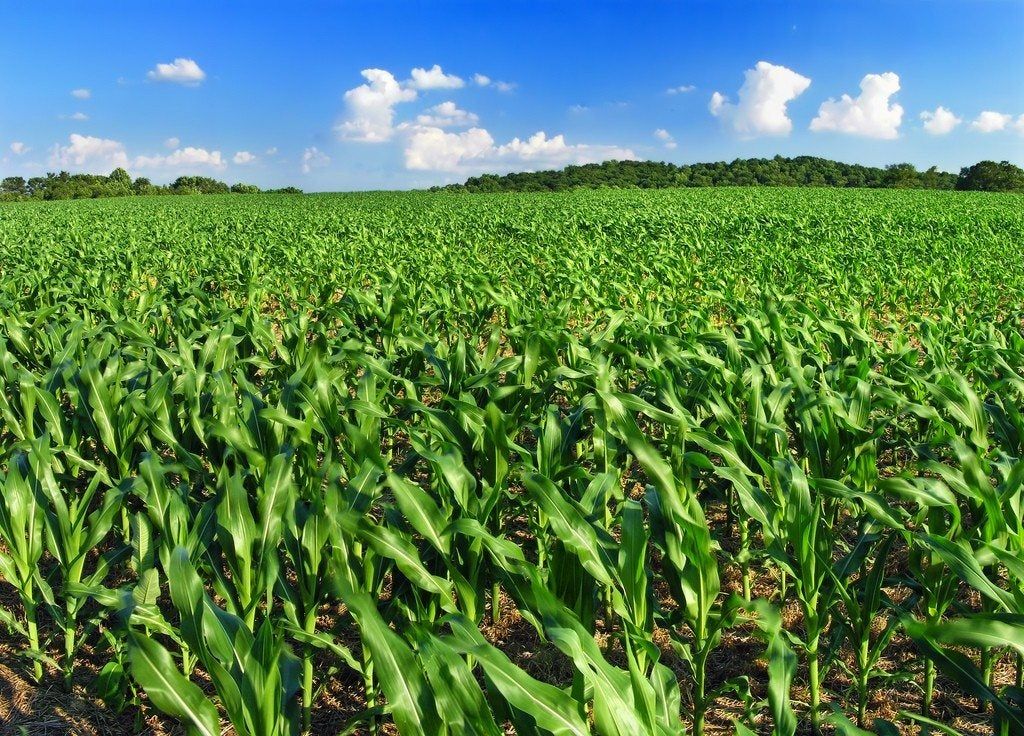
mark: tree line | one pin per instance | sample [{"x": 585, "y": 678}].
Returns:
[
  {"x": 801, "y": 171},
  {"x": 118, "y": 183}
]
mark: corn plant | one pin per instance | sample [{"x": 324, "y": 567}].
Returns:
[{"x": 253, "y": 449}]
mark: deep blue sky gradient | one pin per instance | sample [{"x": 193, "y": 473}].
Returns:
[{"x": 277, "y": 73}]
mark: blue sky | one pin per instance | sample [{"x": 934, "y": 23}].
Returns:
[{"x": 257, "y": 91}]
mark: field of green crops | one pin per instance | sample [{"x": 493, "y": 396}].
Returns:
[{"x": 663, "y": 462}]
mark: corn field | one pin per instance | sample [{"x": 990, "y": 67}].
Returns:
[{"x": 616, "y": 463}]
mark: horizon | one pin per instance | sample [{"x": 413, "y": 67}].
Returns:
[{"x": 250, "y": 95}]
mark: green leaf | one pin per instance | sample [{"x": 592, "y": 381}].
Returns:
[{"x": 153, "y": 668}]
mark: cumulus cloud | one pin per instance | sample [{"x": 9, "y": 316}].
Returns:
[
  {"x": 870, "y": 114},
  {"x": 434, "y": 78},
  {"x": 447, "y": 115},
  {"x": 991, "y": 122},
  {"x": 182, "y": 158},
  {"x": 314, "y": 158},
  {"x": 100, "y": 155},
  {"x": 179, "y": 71},
  {"x": 666, "y": 138},
  {"x": 172, "y": 142},
  {"x": 370, "y": 106},
  {"x": 940, "y": 121},
  {"x": 428, "y": 145},
  {"x": 18, "y": 148},
  {"x": 682, "y": 89},
  {"x": 81, "y": 93},
  {"x": 433, "y": 149},
  {"x": 761, "y": 108},
  {"x": 243, "y": 157},
  {"x": 89, "y": 153}
]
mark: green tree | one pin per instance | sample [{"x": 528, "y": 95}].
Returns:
[
  {"x": 198, "y": 185},
  {"x": 989, "y": 176},
  {"x": 14, "y": 185},
  {"x": 902, "y": 176}
]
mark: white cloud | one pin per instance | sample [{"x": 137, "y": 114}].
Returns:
[
  {"x": 1019, "y": 125},
  {"x": 434, "y": 78},
  {"x": 482, "y": 80},
  {"x": 314, "y": 158},
  {"x": 243, "y": 157},
  {"x": 179, "y": 71},
  {"x": 182, "y": 158},
  {"x": 172, "y": 142},
  {"x": 447, "y": 115},
  {"x": 682, "y": 89},
  {"x": 89, "y": 153},
  {"x": 433, "y": 149},
  {"x": 78, "y": 116},
  {"x": 665, "y": 137},
  {"x": 556, "y": 152},
  {"x": 370, "y": 118},
  {"x": 272, "y": 151},
  {"x": 81, "y": 93},
  {"x": 578, "y": 109},
  {"x": 761, "y": 109},
  {"x": 18, "y": 148},
  {"x": 991, "y": 122},
  {"x": 870, "y": 115},
  {"x": 371, "y": 107},
  {"x": 940, "y": 121}
]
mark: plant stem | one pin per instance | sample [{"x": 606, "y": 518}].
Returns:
[
  {"x": 69, "y": 645},
  {"x": 745, "y": 553},
  {"x": 370, "y": 689},
  {"x": 307, "y": 676},
  {"x": 814, "y": 684},
  {"x": 862, "y": 681},
  {"x": 33, "y": 639},
  {"x": 987, "y": 662},
  {"x": 496, "y": 603},
  {"x": 699, "y": 694},
  {"x": 929, "y": 686}
]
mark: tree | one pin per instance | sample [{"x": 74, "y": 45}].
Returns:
[
  {"x": 801, "y": 171},
  {"x": 240, "y": 188},
  {"x": 902, "y": 176},
  {"x": 14, "y": 185},
  {"x": 989, "y": 176},
  {"x": 198, "y": 185},
  {"x": 121, "y": 177}
]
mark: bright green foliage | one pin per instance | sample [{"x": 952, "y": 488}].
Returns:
[{"x": 251, "y": 446}]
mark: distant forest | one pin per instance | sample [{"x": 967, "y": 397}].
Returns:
[
  {"x": 118, "y": 183},
  {"x": 802, "y": 171}
]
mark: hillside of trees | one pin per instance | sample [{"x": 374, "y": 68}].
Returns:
[
  {"x": 802, "y": 171},
  {"x": 118, "y": 184}
]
